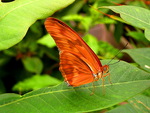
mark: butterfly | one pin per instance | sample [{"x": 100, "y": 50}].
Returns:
[{"x": 79, "y": 65}]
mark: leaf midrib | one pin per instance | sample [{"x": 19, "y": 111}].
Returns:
[{"x": 17, "y": 8}]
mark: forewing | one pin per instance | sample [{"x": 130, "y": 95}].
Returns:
[{"x": 67, "y": 40}]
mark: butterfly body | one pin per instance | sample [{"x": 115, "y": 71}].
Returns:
[{"x": 78, "y": 63}]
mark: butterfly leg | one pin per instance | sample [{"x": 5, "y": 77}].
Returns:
[
  {"x": 108, "y": 74},
  {"x": 109, "y": 79},
  {"x": 103, "y": 87},
  {"x": 93, "y": 90}
]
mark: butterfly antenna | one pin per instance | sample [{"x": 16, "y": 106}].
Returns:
[{"x": 116, "y": 56}]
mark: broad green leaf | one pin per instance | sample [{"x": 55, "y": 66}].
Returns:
[
  {"x": 47, "y": 40},
  {"x": 137, "y": 104},
  {"x": 127, "y": 80},
  {"x": 16, "y": 17},
  {"x": 33, "y": 64},
  {"x": 36, "y": 82},
  {"x": 136, "y": 16},
  {"x": 140, "y": 56}
]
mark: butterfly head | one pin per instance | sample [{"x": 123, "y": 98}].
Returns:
[
  {"x": 100, "y": 74},
  {"x": 105, "y": 69}
]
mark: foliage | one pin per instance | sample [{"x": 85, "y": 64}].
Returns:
[
  {"x": 29, "y": 57},
  {"x": 36, "y": 82}
]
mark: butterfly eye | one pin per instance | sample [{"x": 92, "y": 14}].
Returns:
[{"x": 105, "y": 68}]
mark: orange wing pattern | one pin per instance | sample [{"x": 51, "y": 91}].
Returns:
[
  {"x": 78, "y": 63},
  {"x": 75, "y": 71}
]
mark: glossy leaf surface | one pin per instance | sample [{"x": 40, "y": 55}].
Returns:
[{"x": 24, "y": 14}]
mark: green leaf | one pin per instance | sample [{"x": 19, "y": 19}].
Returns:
[
  {"x": 51, "y": 53},
  {"x": 137, "y": 104},
  {"x": 10, "y": 52},
  {"x": 106, "y": 20},
  {"x": 147, "y": 92},
  {"x": 136, "y": 16},
  {"x": 47, "y": 40},
  {"x": 143, "y": 103},
  {"x": 118, "y": 31},
  {"x": 2, "y": 87},
  {"x": 140, "y": 56},
  {"x": 85, "y": 21},
  {"x": 17, "y": 16},
  {"x": 75, "y": 17},
  {"x": 33, "y": 64},
  {"x": 36, "y": 82},
  {"x": 139, "y": 36},
  {"x": 92, "y": 42},
  {"x": 7, "y": 98},
  {"x": 4, "y": 59},
  {"x": 147, "y": 33},
  {"x": 127, "y": 80},
  {"x": 72, "y": 9},
  {"x": 108, "y": 51}
]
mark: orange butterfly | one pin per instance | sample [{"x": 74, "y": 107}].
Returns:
[{"x": 78, "y": 63}]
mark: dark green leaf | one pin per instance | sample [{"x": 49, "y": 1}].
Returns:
[
  {"x": 118, "y": 31},
  {"x": 2, "y": 87},
  {"x": 137, "y": 35}
]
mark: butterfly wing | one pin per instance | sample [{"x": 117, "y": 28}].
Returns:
[
  {"x": 75, "y": 71},
  {"x": 78, "y": 62}
]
